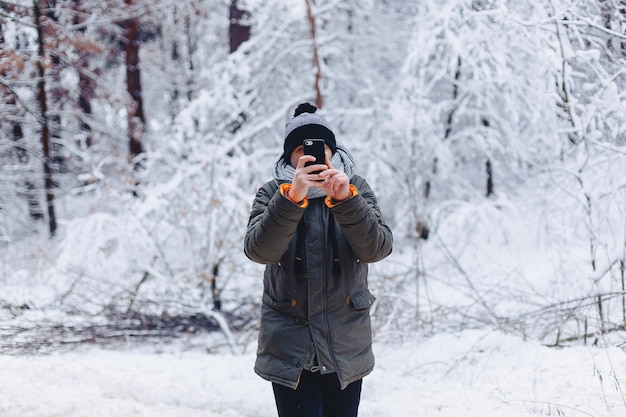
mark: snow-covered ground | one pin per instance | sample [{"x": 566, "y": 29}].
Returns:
[{"x": 471, "y": 374}]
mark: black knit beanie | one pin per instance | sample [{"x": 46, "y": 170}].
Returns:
[{"x": 307, "y": 125}]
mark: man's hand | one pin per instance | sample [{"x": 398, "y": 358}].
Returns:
[
  {"x": 335, "y": 183},
  {"x": 304, "y": 178}
]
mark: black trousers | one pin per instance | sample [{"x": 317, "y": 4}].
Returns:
[{"x": 318, "y": 396}]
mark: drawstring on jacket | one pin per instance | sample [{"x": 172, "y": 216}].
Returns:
[
  {"x": 300, "y": 263},
  {"x": 333, "y": 240}
]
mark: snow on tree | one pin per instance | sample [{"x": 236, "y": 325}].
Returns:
[{"x": 491, "y": 131}]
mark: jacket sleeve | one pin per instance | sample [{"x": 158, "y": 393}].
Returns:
[
  {"x": 363, "y": 225},
  {"x": 272, "y": 223}
]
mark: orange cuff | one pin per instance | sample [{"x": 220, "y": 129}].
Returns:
[
  {"x": 286, "y": 187},
  {"x": 332, "y": 203}
]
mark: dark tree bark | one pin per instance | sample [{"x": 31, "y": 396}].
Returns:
[
  {"x": 489, "y": 177},
  {"x": 11, "y": 65},
  {"x": 455, "y": 95},
  {"x": 611, "y": 11},
  {"x": 56, "y": 93},
  {"x": 43, "y": 107},
  {"x": 488, "y": 166},
  {"x": 136, "y": 118},
  {"x": 238, "y": 30},
  {"x": 449, "y": 123},
  {"x": 86, "y": 84}
]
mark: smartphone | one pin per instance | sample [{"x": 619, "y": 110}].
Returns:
[{"x": 315, "y": 147}]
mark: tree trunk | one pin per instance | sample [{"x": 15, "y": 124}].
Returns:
[
  {"x": 319, "y": 100},
  {"x": 43, "y": 107},
  {"x": 55, "y": 91},
  {"x": 238, "y": 31},
  {"x": 566, "y": 112},
  {"x": 136, "y": 119},
  {"x": 455, "y": 95},
  {"x": 10, "y": 62},
  {"x": 489, "y": 170},
  {"x": 86, "y": 84},
  {"x": 449, "y": 122}
]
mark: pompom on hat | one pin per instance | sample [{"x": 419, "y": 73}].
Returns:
[{"x": 306, "y": 124}]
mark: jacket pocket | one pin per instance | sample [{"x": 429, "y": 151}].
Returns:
[
  {"x": 278, "y": 305},
  {"x": 362, "y": 299}
]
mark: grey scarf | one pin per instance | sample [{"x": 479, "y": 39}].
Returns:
[{"x": 342, "y": 160}]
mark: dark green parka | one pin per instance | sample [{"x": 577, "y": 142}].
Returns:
[{"x": 315, "y": 306}]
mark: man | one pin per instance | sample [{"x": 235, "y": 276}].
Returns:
[{"x": 315, "y": 227}]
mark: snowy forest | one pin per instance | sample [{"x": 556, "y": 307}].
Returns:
[{"x": 134, "y": 135}]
